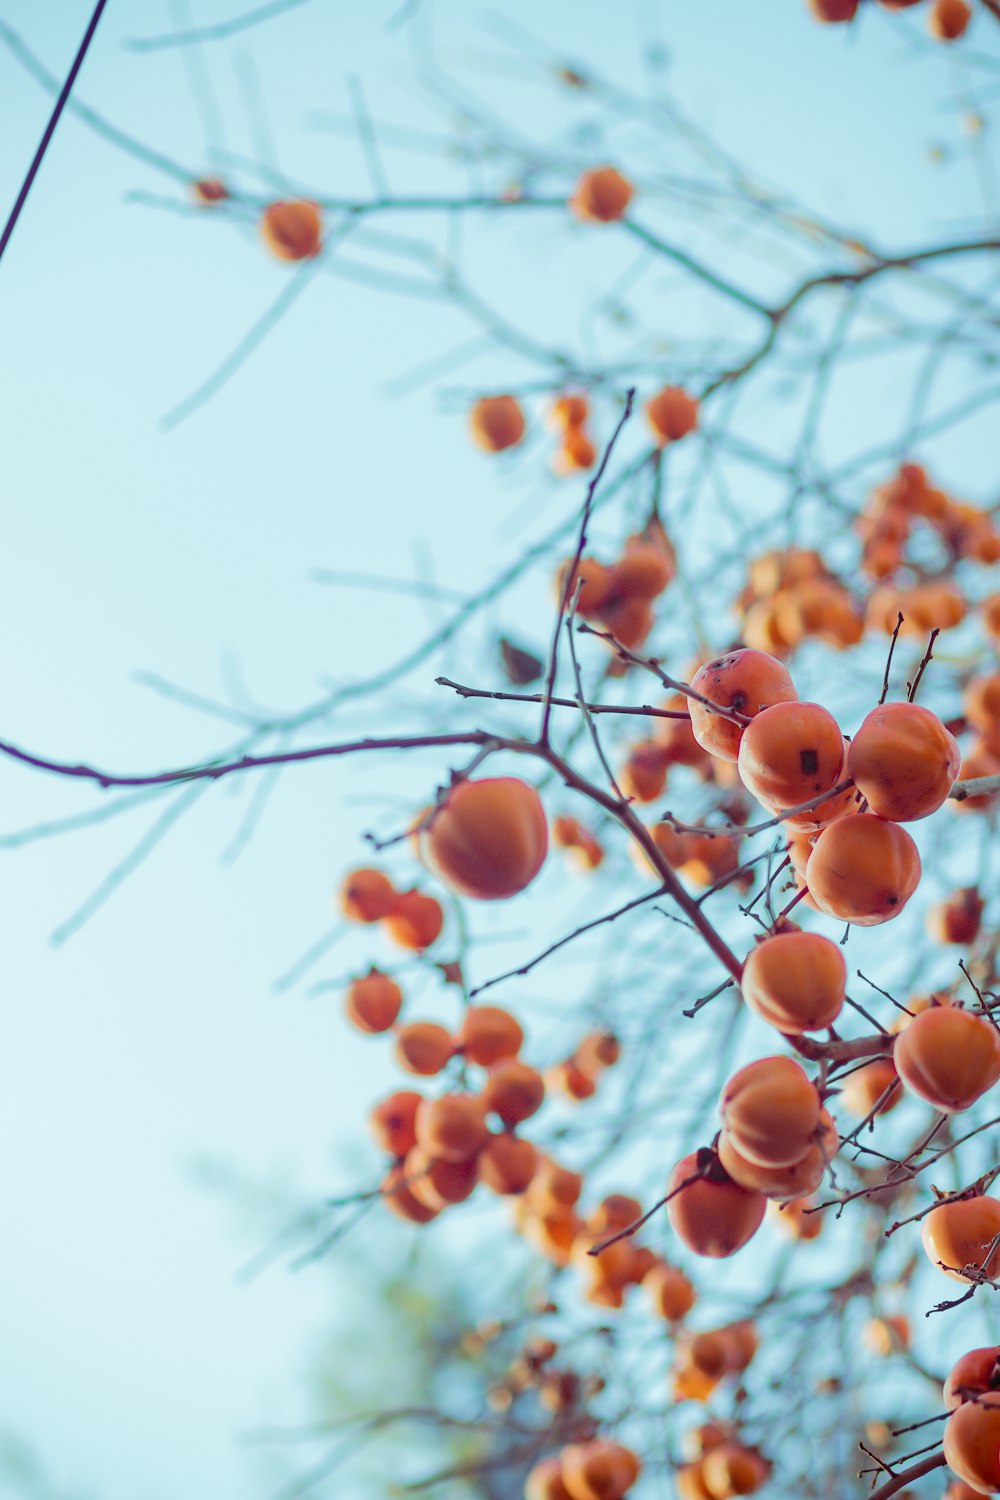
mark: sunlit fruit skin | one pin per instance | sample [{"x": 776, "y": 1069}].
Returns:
[
  {"x": 571, "y": 409},
  {"x": 602, "y": 195},
  {"x": 711, "y": 1215},
  {"x": 489, "y": 1035},
  {"x": 488, "y": 839},
  {"x": 960, "y": 1234},
  {"x": 903, "y": 761},
  {"x": 777, "y": 1184},
  {"x": 507, "y": 1164},
  {"x": 731, "y": 1469},
  {"x": 400, "y": 1199},
  {"x": 438, "y": 1183},
  {"x": 972, "y": 1442},
  {"x": 949, "y": 19},
  {"x": 599, "y": 1470},
  {"x": 970, "y": 1376},
  {"x": 496, "y": 423},
  {"x": 795, "y": 981},
  {"x": 958, "y": 918},
  {"x": 374, "y": 1002},
  {"x": 770, "y": 1111},
  {"x": 948, "y": 1057},
  {"x": 670, "y": 1292},
  {"x": 453, "y": 1127},
  {"x": 832, "y": 12},
  {"x": 671, "y": 414},
  {"x": 367, "y": 896},
  {"x": 415, "y": 921},
  {"x": 745, "y": 680},
  {"x": 863, "y": 869},
  {"x": 545, "y": 1482},
  {"x": 514, "y": 1091},
  {"x": 791, "y": 753},
  {"x": 865, "y": 1087},
  {"x": 642, "y": 573},
  {"x": 689, "y": 1481},
  {"x": 554, "y": 1188},
  {"x": 293, "y": 230},
  {"x": 423, "y": 1047},
  {"x": 393, "y": 1122},
  {"x": 591, "y": 586},
  {"x": 799, "y": 1218}
]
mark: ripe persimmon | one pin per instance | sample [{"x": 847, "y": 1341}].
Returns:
[
  {"x": 453, "y": 1127},
  {"x": 438, "y": 1183},
  {"x": 833, "y": 12},
  {"x": 863, "y": 869},
  {"x": 209, "y": 190},
  {"x": 733, "y": 1469},
  {"x": 795, "y": 981},
  {"x": 689, "y": 1479},
  {"x": 415, "y": 920},
  {"x": 497, "y": 423},
  {"x": 709, "y": 1212},
  {"x": 544, "y": 1482},
  {"x": 602, "y": 195},
  {"x": 576, "y": 453},
  {"x": 598, "y": 1050},
  {"x": 643, "y": 777},
  {"x": 780, "y": 1183},
  {"x": 424, "y": 1047},
  {"x": 400, "y": 1199},
  {"x": 615, "y": 1211},
  {"x": 670, "y": 1291},
  {"x": 374, "y": 1002},
  {"x": 514, "y": 1091},
  {"x": 961, "y": 1233},
  {"x": 979, "y": 761},
  {"x": 487, "y": 839},
  {"x": 293, "y": 230},
  {"x": 976, "y": 1372},
  {"x": 554, "y": 1188},
  {"x": 972, "y": 1442},
  {"x": 642, "y": 572},
  {"x": 770, "y": 1111},
  {"x": 367, "y": 896},
  {"x": 903, "y": 761},
  {"x": 791, "y": 753},
  {"x": 569, "y": 1078},
  {"x": 571, "y": 409},
  {"x": 671, "y": 414},
  {"x": 598, "y": 1470},
  {"x": 507, "y": 1163},
  {"x": 864, "y": 1088},
  {"x": 957, "y": 918},
  {"x": 743, "y": 681},
  {"x": 489, "y": 1034},
  {"x": 981, "y": 703},
  {"x": 629, "y": 621},
  {"x": 591, "y": 578},
  {"x": 393, "y": 1122},
  {"x": 948, "y": 1057},
  {"x": 949, "y": 19},
  {"x": 800, "y": 1218}
]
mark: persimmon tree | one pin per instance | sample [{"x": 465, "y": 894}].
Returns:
[{"x": 750, "y": 708}]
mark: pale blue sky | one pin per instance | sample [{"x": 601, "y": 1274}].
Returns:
[{"x": 153, "y": 1035}]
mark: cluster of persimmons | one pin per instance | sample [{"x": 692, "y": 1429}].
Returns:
[
  {"x": 947, "y": 20},
  {"x": 844, "y": 805}
]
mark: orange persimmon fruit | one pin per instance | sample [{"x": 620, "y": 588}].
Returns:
[
  {"x": 487, "y": 839},
  {"x": 744, "y": 682},
  {"x": 795, "y": 981}
]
